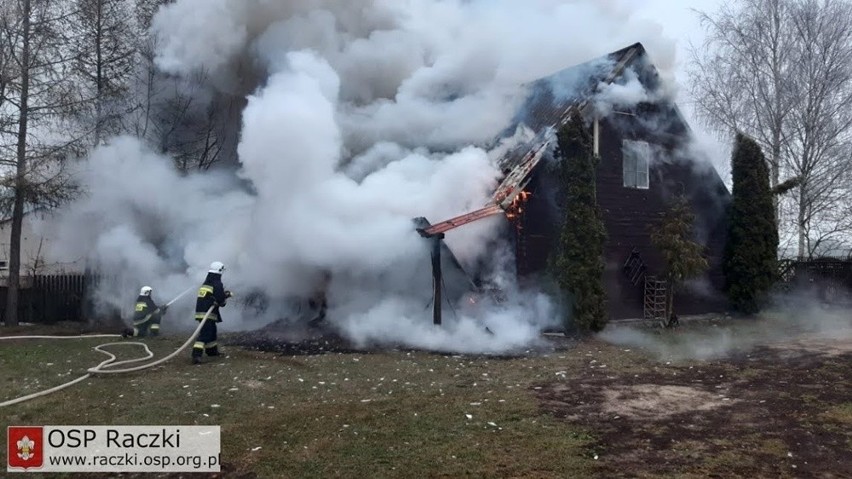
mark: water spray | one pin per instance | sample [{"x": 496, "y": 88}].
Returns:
[{"x": 179, "y": 296}]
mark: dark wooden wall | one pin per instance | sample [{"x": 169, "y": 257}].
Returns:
[{"x": 629, "y": 214}]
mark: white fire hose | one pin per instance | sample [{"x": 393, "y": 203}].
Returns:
[{"x": 101, "y": 368}]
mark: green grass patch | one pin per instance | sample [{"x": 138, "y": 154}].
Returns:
[{"x": 350, "y": 415}]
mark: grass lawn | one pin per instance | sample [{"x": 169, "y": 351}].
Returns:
[
  {"x": 351, "y": 415},
  {"x": 590, "y": 409}
]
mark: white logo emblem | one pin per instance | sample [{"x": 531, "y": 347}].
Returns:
[{"x": 26, "y": 446}]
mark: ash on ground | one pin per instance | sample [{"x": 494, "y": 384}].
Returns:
[
  {"x": 304, "y": 339},
  {"x": 292, "y": 339}
]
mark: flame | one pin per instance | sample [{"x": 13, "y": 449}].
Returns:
[{"x": 515, "y": 210}]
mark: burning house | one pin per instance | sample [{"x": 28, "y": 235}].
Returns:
[
  {"x": 643, "y": 144},
  {"x": 645, "y": 159}
]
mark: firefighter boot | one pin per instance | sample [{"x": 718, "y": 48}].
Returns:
[{"x": 197, "y": 351}]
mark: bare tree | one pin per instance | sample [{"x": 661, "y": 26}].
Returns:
[
  {"x": 38, "y": 96},
  {"x": 180, "y": 116},
  {"x": 198, "y": 134},
  {"x": 819, "y": 135},
  {"x": 144, "y": 14},
  {"x": 36, "y": 260},
  {"x": 781, "y": 72},
  {"x": 740, "y": 75},
  {"x": 103, "y": 40}
]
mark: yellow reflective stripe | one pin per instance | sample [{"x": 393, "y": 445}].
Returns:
[
  {"x": 141, "y": 307},
  {"x": 211, "y": 345},
  {"x": 155, "y": 326},
  {"x": 200, "y": 316},
  {"x": 198, "y": 345},
  {"x": 204, "y": 290},
  {"x": 136, "y": 331}
]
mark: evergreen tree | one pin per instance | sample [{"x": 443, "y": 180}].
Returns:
[
  {"x": 682, "y": 256},
  {"x": 751, "y": 253},
  {"x": 578, "y": 262}
]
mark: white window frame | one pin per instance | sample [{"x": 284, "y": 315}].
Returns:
[{"x": 635, "y": 164}]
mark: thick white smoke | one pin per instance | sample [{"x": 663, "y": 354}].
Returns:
[
  {"x": 798, "y": 322},
  {"x": 360, "y": 116}
]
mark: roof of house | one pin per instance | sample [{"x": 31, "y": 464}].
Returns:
[{"x": 550, "y": 98}]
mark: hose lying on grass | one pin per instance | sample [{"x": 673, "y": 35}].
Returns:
[{"x": 102, "y": 367}]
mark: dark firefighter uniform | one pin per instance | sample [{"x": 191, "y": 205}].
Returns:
[
  {"x": 147, "y": 316},
  {"x": 318, "y": 303},
  {"x": 211, "y": 293}
]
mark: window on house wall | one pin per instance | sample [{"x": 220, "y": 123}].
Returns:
[{"x": 637, "y": 157}]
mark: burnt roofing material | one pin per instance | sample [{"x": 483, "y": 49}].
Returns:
[{"x": 549, "y": 99}]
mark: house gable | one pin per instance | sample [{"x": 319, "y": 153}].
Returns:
[{"x": 633, "y": 193}]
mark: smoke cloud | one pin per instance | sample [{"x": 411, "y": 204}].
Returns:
[
  {"x": 797, "y": 321},
  {"x": 359, "y": 116}
]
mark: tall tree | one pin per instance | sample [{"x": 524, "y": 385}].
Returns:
[
  {"x": 182, "y": 116},
  {"x": 741, "y": 74},
  {"x": 683, "y": 257},
  {"x": 144, "y": 14},
  {"x": 751, "y": 253},
  {"x": 104, "y": 44},
  {"x": 189, "y": 120},
  {"x": 38, "y": 97},
  {"x": 819, "y": 145},
  {"x": 578, "y": 263},
  {"x": 7, "y": 73},
  {"x": 780, "y": 71}
]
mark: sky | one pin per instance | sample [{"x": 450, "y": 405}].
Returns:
[{"x": 679, "y": 22}]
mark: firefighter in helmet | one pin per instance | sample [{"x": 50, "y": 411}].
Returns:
[
  {"x": 146, "y": 315},
  {"x": 213, "y": 295}
]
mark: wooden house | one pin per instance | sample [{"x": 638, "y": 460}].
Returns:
[{"x": 646, "y": 158}]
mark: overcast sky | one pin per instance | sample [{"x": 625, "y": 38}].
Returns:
[{"x": 679, "y": 23}]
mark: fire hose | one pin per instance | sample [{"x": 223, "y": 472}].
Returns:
[{"x": 108, "y": 363}]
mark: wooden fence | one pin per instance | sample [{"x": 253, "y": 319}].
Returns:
[
  {"x": 52, "y": 298},
  {"x": 830, "y": 278}
]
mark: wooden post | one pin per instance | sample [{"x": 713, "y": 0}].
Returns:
[{"x": 436, "y": 278}]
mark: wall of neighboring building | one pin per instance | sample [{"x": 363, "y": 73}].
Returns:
[{"x": 36, "y": 247}]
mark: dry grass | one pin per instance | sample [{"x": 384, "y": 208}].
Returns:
[
  {"x": 415, "y": 414},
  {"x": 336, "y": 415}
]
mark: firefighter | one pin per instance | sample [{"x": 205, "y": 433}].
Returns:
[
  {"x": 146, "y": 315},
  {"x": 211, "y": 293},
  {"x": 319, "y": 301}
]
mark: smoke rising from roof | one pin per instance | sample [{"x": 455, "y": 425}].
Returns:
[{"x": 360, "y": 116}]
